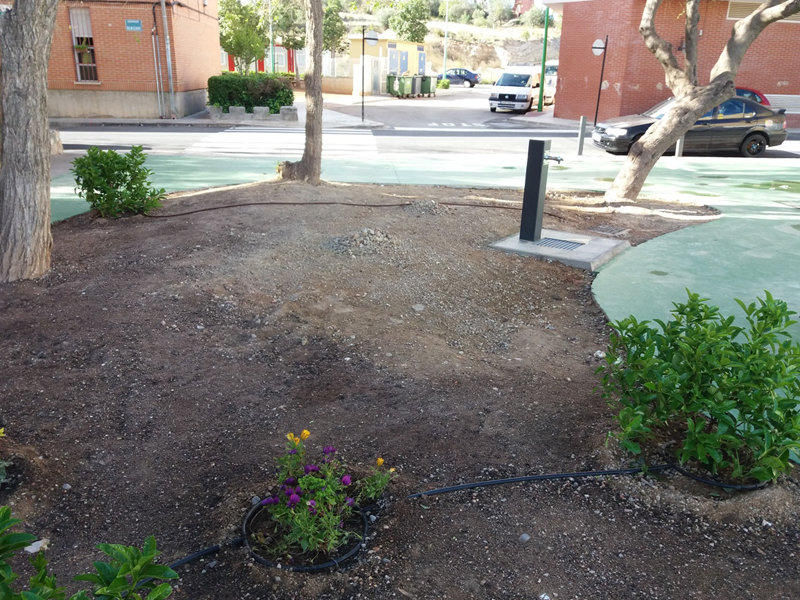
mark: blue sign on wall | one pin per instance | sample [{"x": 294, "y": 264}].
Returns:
[{"x": 133, "y": 24}]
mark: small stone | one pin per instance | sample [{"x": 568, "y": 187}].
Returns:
[
  {"x": 524, "y": 538},
  {"x": 255, "y": 500},
  {"x": 372, "y": 518},
  {"x": 418, "y": 307},
  {"x": 66, "y": 487},
  {"x": 599, "y": 354},
  {"x": 212, "y": 564}
]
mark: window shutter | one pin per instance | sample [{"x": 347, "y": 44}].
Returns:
[{"x": 80, "y": 23}]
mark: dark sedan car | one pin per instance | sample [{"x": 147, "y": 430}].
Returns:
[
  {"x": 738, "y": 124},
  {"x": 463, "y": 77}
]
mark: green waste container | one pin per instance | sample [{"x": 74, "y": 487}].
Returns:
[
  {"x": 404, "y": 86},
  {"x": 428, "y": 85},
  {"x": 392, "y": 85}
]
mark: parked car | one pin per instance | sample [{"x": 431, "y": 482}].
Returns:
[
  {"x": 752, "y": 94},
  {"x": 463, "y": 77},
  {"x": 550, "y": 81},
  {"x": 515, "y": 89},
  {"x": 737, "y": 124}
]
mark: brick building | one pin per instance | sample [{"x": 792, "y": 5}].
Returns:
[
  {"x": 633, "y": 80},
  {"x": 521, "y": 7},
  {"x": 109, "y": 58}
]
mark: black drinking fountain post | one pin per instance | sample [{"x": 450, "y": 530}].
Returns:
[{"x": 530, "y": 228}]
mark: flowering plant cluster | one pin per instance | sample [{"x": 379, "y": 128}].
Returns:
[{"x": 315, "y": 499}]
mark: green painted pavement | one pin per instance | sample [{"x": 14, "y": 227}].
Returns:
[{"x": 754, "y": 246}]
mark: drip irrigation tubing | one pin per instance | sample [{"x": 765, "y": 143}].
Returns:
[
  {"x": 241, "y": 541},
  {"x": 210, "y": 208}
]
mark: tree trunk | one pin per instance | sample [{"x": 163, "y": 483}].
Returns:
[
  {"x": 692, "y": 100},
  {"x": 644, "y": 154},
  {"x": 310, "y": 166},
  {"x": 26, "y": 33}
]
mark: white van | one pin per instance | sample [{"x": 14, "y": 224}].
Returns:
[{"x": 515, "y": 89}]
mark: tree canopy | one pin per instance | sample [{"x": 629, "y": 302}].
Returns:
[
  {"x": 410, "y": 20},
  {"x": 242, "y": 32},
  {"x": 334, "y": 31}
]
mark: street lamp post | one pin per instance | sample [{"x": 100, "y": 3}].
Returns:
[
  {"x": 271, "y": 39},
  {"x": 446, "y": 15}
]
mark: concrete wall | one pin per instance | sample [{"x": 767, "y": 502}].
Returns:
[
  {"x": 337, "y": 85},
  {"x": 119, "y": 104},
  {"x": 126, "y": 64},
  {"x": 634, "y": 80}
]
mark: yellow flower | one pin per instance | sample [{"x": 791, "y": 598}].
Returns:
[
  {"x": 296, "y": 440},
  {"x": 290, "y": 437},
  {"x": 380, "y": 462},
  {"x": 305, "y": 434},
  {"x": 392, "y": 470},
  {"x": 2, "y": 432}
]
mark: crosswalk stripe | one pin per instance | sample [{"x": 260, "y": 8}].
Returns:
[{"x": 284, "y": 142}]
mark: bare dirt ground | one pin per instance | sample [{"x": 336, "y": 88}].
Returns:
[{"x": 148, "y": 381}]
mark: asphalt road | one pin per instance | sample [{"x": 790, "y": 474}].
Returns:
[{"x": 456, "y": 121}]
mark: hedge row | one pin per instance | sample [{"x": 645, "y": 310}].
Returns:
[{"x": 255, "y": 89}]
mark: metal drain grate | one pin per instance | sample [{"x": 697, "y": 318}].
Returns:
[{"x": 560, "y": 244}]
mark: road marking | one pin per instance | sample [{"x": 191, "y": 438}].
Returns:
[{"x": 253, "y": 141}]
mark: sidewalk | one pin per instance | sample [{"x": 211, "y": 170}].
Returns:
[{"x": 330, "y": 120}]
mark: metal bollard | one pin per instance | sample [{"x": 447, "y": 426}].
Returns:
[
  {"x": 530, "y": 228},
  {"x": 581, "y": 135}
]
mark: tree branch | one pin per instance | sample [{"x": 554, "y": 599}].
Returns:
[
  {"x": 661, "y": 49},
  {"x": 746, "y": 30},
  {"x": 690, "y": 43}
]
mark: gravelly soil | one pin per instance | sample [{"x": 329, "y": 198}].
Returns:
[{"x": 157, "y": 368}]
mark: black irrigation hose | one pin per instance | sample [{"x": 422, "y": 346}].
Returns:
[
  {"x": 210, "y": 208},
  {"x": 478, "y": 484},
  {"x": 727, "y": 486}
]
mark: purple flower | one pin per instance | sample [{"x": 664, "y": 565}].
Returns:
[
  {"x": 293, "y": 500},
  {"x": 349, "y": 501},
  {"x": 298, "y": 490},
  {"x": 311, "y": 469},
  {"x": 266, "y": 501},
  {"x": 292, "y": 452},
  {"x": 312, "y": 507},
  {"x": 290, "y": 481},
  {"x": 328, "y": 450},
  {"x": 288, "y": 491},
  {"x": 346, "y": 480}
]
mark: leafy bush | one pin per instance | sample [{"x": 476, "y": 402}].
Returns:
[
  {"x": 443, "y": 84},
  {"x": 130, "y": 571},
  {"x": 116, "y": 184},
  {"x": 729, "y": 395},
  {"x": 308, "y": 512},
  {"x": 256, "y": 89}
]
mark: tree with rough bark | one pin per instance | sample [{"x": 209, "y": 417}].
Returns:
[
  {"x": 26, "y": 33},
  {"x": 309, "y": 167},
  {"x": 691, "y": 99}
]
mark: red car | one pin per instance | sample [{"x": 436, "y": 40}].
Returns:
[{"x": 752, "y": 94}]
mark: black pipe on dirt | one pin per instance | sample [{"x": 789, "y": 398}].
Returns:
[{"x": 478, "y": 484}]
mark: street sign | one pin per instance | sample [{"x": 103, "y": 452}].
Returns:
[
  {"x": 371, "y": 37},
  {"x": 133, "y": 24},
  {"x": 597, "y": 47}
]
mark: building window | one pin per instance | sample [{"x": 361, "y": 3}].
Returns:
[{"x": 83, "y": 44}]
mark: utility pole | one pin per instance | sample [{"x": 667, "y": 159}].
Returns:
[
  {"x": 446, "y": 15},
  {"x": 174, "y": 111},
  {"x": 544, "y": 58},
  {"x": 271, "y": 39}
]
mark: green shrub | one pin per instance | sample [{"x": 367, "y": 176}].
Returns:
[
  {"x": 730, "y": 396},
  {"x": 255, "y": 89},
  {"x": 116, "y": 184},
  {"x": 443, "y": 84},
  {"x": 130, "y": 572}
]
